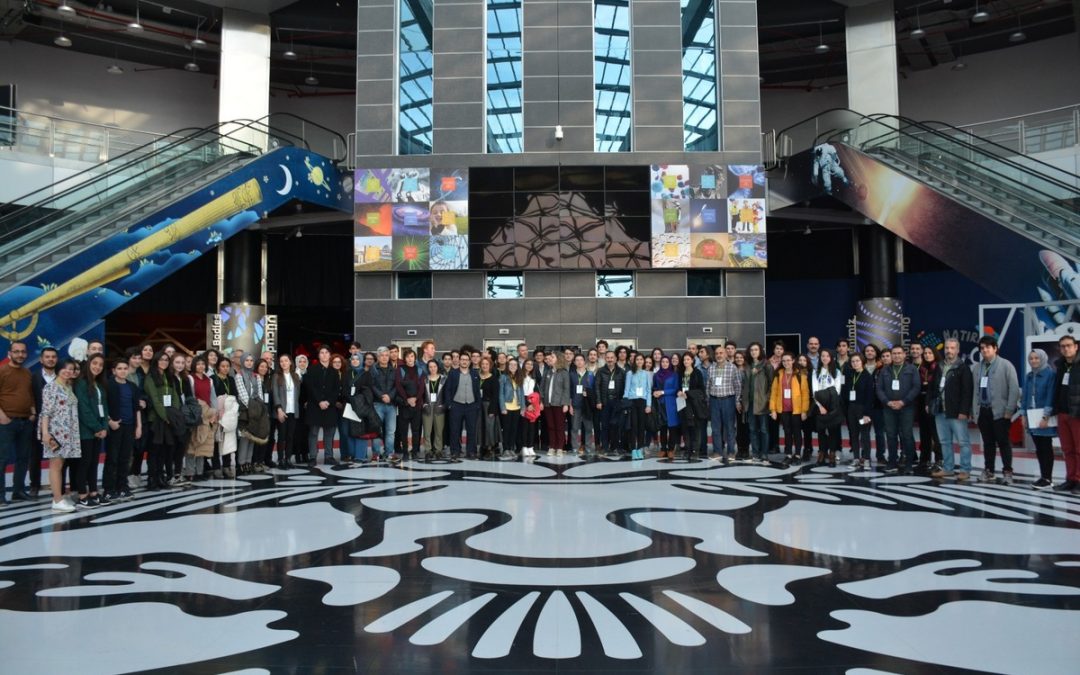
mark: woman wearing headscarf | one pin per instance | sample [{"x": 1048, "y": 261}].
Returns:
[
  {"x": 665, "y": 388},
  {"x": 248, "y": 390},
  {"x": 1038, "y": 398}
]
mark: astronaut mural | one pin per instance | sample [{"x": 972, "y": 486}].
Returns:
[{"x": 651, "y": 565}]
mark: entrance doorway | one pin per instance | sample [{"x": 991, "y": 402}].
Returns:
[{"x": 504, "y": 346}]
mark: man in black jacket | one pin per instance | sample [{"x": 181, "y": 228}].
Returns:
[
  {"x": 897, "y": 389},
  {"x": 321, "y": 387},
  {"x": 948, "y": 399},
  {"x": 610, "y": 383},
  {"x": 380, "y": 379}
]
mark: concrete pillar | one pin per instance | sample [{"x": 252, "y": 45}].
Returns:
[
  {"x": 245, "y": 71},
  {"x": 870, "y": 35}
]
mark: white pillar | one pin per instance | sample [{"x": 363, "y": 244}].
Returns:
[
  {"x": 245, "y": 71},
  {"x": 871, "y": 58}
]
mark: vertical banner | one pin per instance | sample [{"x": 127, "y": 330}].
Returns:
[{"x": 243, "y": 326}]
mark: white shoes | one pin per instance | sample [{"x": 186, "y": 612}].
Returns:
[{"x": 62, "y": 506}]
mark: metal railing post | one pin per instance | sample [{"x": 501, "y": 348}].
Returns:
[{"x": 1023, "y": 137}]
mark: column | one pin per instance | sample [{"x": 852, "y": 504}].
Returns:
[
  {"x": 870, "y": 35},
  {"x": 243, "y": 307},
  {"x": 245, "y": 71}
]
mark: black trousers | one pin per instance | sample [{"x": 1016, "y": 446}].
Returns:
[
  {"x": 158, "y": 457},
  {"x": 119, "y": 446},
  {"x": 286, "y": 434},
  {"x": 691, "y": 435},
  {"x": 637, "y": 424},
  {"x": 510, "y": 423},
  {"x": 530, "y": 433},
  {"x": 1044, "y": 452},
  {"x": 792, "y": 425},
  {"x": 829, "y": 439},
  {"x": 859, "y": 435},
  {"x": 929, "y": 444},
  {"x": 408, "y": 420},
  {"x": 995, "y": 436},
  {"x": 84, "y": 474}
]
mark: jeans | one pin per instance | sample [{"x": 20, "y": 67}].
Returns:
[
  {"x": 759, "y": 434},
  {"x": 722, "y": 416},
  {"x": 579, "y": 423},
  {"x": 345, "y": 441},
  {"x": 900, "y": 424},
  {"x": 15, "y": 438},
  {"x": 387, "y": 413},
  {"x": 950, "y": 431},
  {"x": 463, "y": 415},
  {"x": 121, "y": 443}
]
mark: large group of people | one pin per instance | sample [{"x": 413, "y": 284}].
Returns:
[{"x": 195, "y": 417}]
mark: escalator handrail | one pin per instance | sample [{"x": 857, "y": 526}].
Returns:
[
  {"x": 1004, "y": 160},
  {"x": 344, "y": 143},
  {"x": 879, "y": 116}
]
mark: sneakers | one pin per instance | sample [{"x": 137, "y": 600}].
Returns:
[
  {"x": 941, "y": 473},
  {"x": 962, "y": 476},
  {"x": 1006, "y": 478},
  {"x": 62, "y": 506},
  {"x": 83, "y": 504},
  {"x": 126, "y": 496},
  {"x": 987, "y": 476},
  {"x": 133, "y": 482},
  {"x": 551, "y": 452},
  {"x": 1067, "y": 486},
  {"x": 1042, "y": 484},
  {"x": 104, "y": 500}
]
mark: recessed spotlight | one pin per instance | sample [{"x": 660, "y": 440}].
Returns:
[
  {"x": 191, "y": 67},
  {"x": 65, "y": 8},
  {"x": 62, "y": 41},
  {"x": 311, "y": 80},
  {"x": 114, "y": 70}
]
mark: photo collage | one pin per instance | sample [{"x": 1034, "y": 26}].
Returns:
[
  {"x": 691, "y": 217},
  {"x": 411, "y": 220},
  {"x": 708, "y": 215}
]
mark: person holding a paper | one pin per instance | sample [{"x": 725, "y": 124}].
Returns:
[
  {"x": 948, "y": 399},
  {"x": 1037, "y": 404},
  {"x": 1067, "y": 407},
  {"x": 857, "y": 393}
]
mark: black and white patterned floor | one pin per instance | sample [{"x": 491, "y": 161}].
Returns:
[{"x": 558, "y": 565}]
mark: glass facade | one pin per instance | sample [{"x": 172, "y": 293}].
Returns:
[
  {"x": 505, "y": 286},
  {"x": 415, "y": 80},
  {"x": 699, "y": 75},
  {"x": 611, "y": 75},
  {"x": 503, "y": 53}
]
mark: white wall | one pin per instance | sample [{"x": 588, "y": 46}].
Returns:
[
  {"x": 1013, "y": 81},
  {"x": 65, "y": 83}
]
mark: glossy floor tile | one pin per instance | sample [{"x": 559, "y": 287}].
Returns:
[{"x": 553, "y": 566}]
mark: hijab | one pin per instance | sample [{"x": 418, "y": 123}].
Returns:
[
  {"x": 662, "y": 374},
  {"x": 1043, "y": 360}
]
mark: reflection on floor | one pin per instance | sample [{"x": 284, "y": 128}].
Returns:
[{"x": 649, "y": 566}]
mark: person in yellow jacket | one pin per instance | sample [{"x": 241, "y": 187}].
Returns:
[{"x": 789, "y": 403}]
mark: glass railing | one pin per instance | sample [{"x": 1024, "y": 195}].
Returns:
[{"x": 1036, "y": 132}]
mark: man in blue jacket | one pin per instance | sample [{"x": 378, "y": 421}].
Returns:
[
  {"x": 463, "y": 405},
  {"x": 897, "y": 389}
]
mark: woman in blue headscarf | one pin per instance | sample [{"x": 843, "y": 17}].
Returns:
[
  {"x": 665, "y": 389},
  {"x": 1038, "y": 397}
]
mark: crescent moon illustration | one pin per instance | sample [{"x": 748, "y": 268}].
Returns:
[{"x": 288, "y": 181}]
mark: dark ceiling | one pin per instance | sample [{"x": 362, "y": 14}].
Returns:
[{"x": 322, "y": 33}]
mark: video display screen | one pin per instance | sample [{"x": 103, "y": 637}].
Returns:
[{"x": 551, "y": 217}]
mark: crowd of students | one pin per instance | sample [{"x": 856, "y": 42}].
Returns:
[{"x": 208, "y": 415}]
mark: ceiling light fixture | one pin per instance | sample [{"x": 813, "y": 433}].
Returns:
[
  {"x": 65, "y": 8},
  {"x": 821, "y": 48},
  {"x": 918, "y": 32},
  {"x": 1018, "y": 35},
  {"x": 198, "y": 42},
  {"x": 980, "y": 15},
  {"x": 191, "y": 67},
  {"x": 62, "y": 41},
  {"x": 311, "y": 80},
  {"x": 136, "y": 25},
  {"x": 114, "y": 70}
]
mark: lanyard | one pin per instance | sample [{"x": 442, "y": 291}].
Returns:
[
  {"x": 855, "y": 380},
  {"x": 896, "y": 372}
]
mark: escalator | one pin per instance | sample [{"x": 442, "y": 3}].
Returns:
[
  {"x": 71, "y": 253},
  {"x": 1009, "y": 222}
]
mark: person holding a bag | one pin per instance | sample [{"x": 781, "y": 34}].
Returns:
[
  {"x": 285, "y": 398},
  {"x": 826, "y": 386},
  {"x": 582, "y": 392},
  {"x": 1038, "y": 395},
  {"x": 694, "y": 409},
  {"x": 163, "y": 392},
  {"x": 530, "y": 436},
  {"x": 665, "y": 389},
  {"x": 788, "y": 403},
  {"x": 90, "y": 390},
  {"x": 511, "y": 400},
  {"x": 409, "y": 390}
]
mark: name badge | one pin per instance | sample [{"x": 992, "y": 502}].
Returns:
[
  {"x": 611, "y": 384},
  {"x": 166, "y": 400},
  {"x": 638, "y": 391},
  {"x": 1065, "y": 380},
  {"x": 851, "y": 396},
  {"x": 352, "y": 390},
  {"x": 896, "y": 385},
  {"x": 718, "y": 380},
  {"x": 100, "y": 410},
  {"x": 787, "y": 393},
  {"x": 842, "y": 380},
  {"x": 580, "y": 389},
  {"x": 941, "y": 383},
  {"x": 686, "y": 388},
  {"x": 266, "y": 398},
  {"x": 984, "y": 382},
  {"x": 433, "y": 396}
]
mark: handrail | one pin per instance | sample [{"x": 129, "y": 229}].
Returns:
[
  {"x": 107, "y": 127},
  {"x": 1018, "y": 117}
]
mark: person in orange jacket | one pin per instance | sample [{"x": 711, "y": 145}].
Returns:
[{"x": 789, "y": 403}]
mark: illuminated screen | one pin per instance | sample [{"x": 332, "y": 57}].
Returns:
[{"x": 549, "y": 217}]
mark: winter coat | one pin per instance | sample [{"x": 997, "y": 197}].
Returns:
[
  {"x": 1039, "y": 394},
  {"x": 255, "y": 421},
  {"x": 800, "y": 393},
  {"x": 605, "y": 392},
  {"x": 558, "y": 381},
  {"x": 93, "y": 408},
  {"x": 201, "y": 442},
  {"x": 757, "y": 382},
  {"x": 532, "y": 407},
  {"x": 321, "y": 384},
  {"x": 954, "y": 399},
  {"x": 665, "y": 406},
  {"x": 228, "y": 419}
]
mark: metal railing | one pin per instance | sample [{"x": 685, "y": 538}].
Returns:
[
  {"x": 62, "y": 138},
  {"x": 1053, "y": 129}
]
